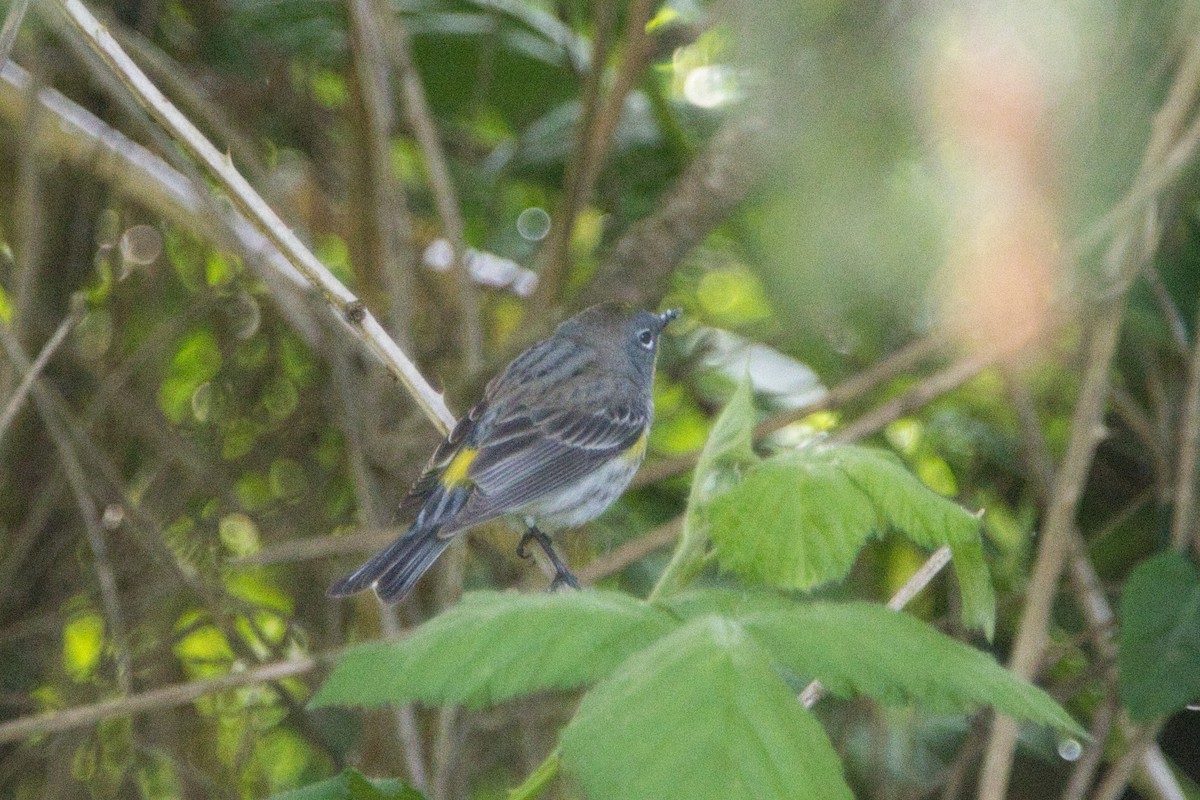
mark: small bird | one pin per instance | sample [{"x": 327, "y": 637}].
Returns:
[{"x": 555, "y": 440}]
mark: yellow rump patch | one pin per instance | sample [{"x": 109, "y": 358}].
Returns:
[{"x": 456, "y": 471}]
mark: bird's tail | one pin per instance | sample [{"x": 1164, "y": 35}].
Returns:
[{"x": 395, "y": 570}]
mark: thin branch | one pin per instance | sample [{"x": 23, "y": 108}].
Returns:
[
  {"x": 156, "y": 699},
  {"x": 445, "y": 197},
  {"x": 630, "y": 552},
  {"x": 911, "y": 588},
  {"x": 96, "y": 537},
  {"x": 706, "y": 194},
  {"x": 389, "y": 215},
  {"x": 1126, "y": 256},
  {"x": 1114, "y": 782},
  {"x": 1089, "y": 762},
  {"x": 1183, "y": 519},
  {"x": 1093, "y": 603},
  {"x": 345, "y": 305},
  {"x": 12, "y": 24},
  {"x": 59, "y": 128},
  {"x": 920, "y": 395},
  {"x": 853, "y": 388},
  {"x": 552, "y": 260},
  {"x": 35, "y": 369}
]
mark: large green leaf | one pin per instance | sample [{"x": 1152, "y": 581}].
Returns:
[
  {"x": 792, "y": 522},
  {"x": 929, "y": 520},
  {"x": 799, "y": 520},
  {"x": 699, "y": 714},
  {"x": 1159, "y": 660},
  {"x": 494, "y": 646},
  {"x": 729, "y": 449},
  {"x": 352, "y": 785},
  {"x": 860, "y": 648}
]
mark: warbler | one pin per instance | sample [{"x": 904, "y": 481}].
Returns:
[{"x": 555, "y": 440}]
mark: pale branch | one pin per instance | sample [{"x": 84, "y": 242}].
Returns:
[
  {"x": 156, "y": 699},
  {"x": 35, "y": 369},
  {"x": 63, "y": 130},
  {"x": 345, "y": 305},
  {"x": 445, "y": 196},
  {"x": 1127, "y": 255},
  {"x": 1092, "y": 602},
  {"x": 1112, "y": 786},
  {"x": 12, "y": 24},
  {"x": 630, "y": 552},
  {"x": 390, "y": 220},
  {"x": 814, "y": 691},
  {"x": 1183, "y": 519}
]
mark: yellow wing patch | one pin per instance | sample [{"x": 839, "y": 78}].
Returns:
[{"x": 455, "y": 473}]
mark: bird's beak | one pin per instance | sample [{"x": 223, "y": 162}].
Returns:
[{"x": 668, "y": 315}]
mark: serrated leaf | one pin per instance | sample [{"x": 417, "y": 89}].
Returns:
[
  {"x": 799, "y": 520},
  {"x": 791, "y": 523},
  {"x": 752, "y": 739},
  {"x": 352, "y": 785},
  {"x": 1159, "y": 660},
  {"x": 731, "y": 439},
  {"x": 494, "y": 646},
  {"x": 930, "y": 520},
  {"x": 860, "y": 648},
  {"x": 730, "y": 445}
]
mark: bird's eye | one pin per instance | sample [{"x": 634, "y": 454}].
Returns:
[{"x": 646, "y": 338}]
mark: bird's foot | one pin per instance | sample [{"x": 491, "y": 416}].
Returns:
[{"x": 562, "y": 573}]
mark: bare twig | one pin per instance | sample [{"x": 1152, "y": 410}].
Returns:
[
  {"x": 1114, "y": 782},
  {"x": 77, "y": 480},
  {"x": 345, "y": 305},
  {"x": 552, "y": 260},
  {"x": 35, "y": 369},
  {"x": 630, "y": 552},
  {"x": 1092, "y": 601},
  {"x": 1125, "y": 258},
  {"x": 12, "y": 24},
  {"x": 392, "y": 226},
  {"x": 854, "y": 387},
  {"x": 1089, "y": 761},
  {"x": 911, "y": 588},
  {"x": 1183, "y": 519},
  {"x": 919, "y": 395},
  {"x": 444, "y": 194},
  {"x": 707, "y": 192},
  {"x": 156, "y": 699}
]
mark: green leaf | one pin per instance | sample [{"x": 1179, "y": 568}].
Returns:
[
  {"x": 793, "y": 523},
  {"x": 730, "y": 445},
  {"x": 929, "y": 520},
  {"x": 799, "y": 520},
  {"x": 494, "y": 646},
  {"x": 860, "y": 648},
  {"x": 352, "y": 785},
  {"x": 1159, "y": 660},
  {"x": 701, "y": 713}
]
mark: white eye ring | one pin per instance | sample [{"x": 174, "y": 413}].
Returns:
[{"x": 646, "y": 338}]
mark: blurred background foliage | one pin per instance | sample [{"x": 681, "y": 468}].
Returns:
[{"x": 819, "y": 184}]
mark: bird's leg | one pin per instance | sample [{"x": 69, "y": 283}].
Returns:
[{"x": 562, "y": 574}]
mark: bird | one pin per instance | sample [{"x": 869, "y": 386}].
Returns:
[{"x": 554, "y": 441}]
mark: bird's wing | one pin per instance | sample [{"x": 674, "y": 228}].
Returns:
[
  {"x": 431, "y": 477},
  {"x": 530, "y": 455}
]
